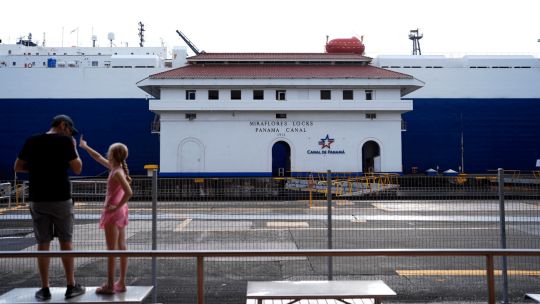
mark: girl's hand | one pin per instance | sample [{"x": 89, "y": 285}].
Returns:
[
  {"x": 82, "y": 143},
  {"x": 112, "y": 208}
]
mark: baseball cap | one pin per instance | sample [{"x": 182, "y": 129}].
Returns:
[{"x": 64, "y": 118}]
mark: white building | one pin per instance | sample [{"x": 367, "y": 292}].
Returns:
[{"x": 264, "y": 114}]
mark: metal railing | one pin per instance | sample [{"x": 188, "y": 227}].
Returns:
[
  {"x": 488, "y": 254},
  {"x": 317, "y": 211}
]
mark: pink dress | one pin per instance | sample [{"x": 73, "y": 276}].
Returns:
[{"x": 119, "y": 217}]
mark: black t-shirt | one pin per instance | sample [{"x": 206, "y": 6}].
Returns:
[{"x": 48, "y": 157}]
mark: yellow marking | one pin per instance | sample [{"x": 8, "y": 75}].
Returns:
[{"x": 465, "y": 272}]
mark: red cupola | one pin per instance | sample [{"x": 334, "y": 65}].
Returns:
[{"x": 345, "y": 45}]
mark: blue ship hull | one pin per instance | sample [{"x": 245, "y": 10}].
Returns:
[
  {"x": 102, "y": 121},
  {"x": 497, "y": 133}
]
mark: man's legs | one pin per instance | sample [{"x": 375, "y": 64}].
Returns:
[
  {"x": 68, "y": 263},
  {"x": 43, "y": 265}
]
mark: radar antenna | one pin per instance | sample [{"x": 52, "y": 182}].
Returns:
[
  {"x": 141, "y": 34},
  {"x": 191, "y": 45},
  {"x": 415, "y": 36}
]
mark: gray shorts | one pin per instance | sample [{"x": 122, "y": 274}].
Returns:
[{"x": 52, "y": 219}]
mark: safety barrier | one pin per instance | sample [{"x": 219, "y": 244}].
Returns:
[{"x": 488, "y": 254}]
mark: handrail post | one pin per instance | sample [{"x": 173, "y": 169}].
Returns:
[
  {"x": 502, "y": 220},
  {"x": 200, "y": 279},
  {"x": 154, "y": 233},
  {"x": 329, "y": 207},
  {"x": 490, "y": 278}
]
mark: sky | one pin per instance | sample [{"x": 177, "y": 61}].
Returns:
[{"x": 452, "y": 28}]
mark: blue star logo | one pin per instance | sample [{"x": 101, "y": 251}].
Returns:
[{"x": 326, "y": 142}]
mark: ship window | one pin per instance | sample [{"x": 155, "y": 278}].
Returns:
[
  {"x": 236, "y": 94},
  {"x": 326, "y": 95},
  {"x": 281, "y": 94},
  {"x": 94, "y": 63},
  {"x": 371, "y": 115},
  {"x": 191, "y": 116},
  {"x": 213, "y": 94},
  {"x": 369, "y": 94},
  {"x": 14, "y": 63},
  {"x": 258, "y": 94},
  {"x": 54, "y": 53},
  {"x": 281, "y": 115},
  {"x": 190, "y": 94},
  {"x": 347, "y": 94},
  {"x": 44, "y": 64},
  {"x": 9, "y": 52}
]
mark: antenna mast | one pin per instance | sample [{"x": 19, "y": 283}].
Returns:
[
  {"x": 141, "y": 34},
  {"x": 415, "y": 36}
]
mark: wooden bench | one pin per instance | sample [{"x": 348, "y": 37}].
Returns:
[
  {"x": 134, "y": 294},
  {"x": 294, "y": 291},
  {"x": 533, "y": 296}
]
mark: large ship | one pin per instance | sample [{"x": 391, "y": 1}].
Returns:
[
  {"x": 96, "y": 86},
  {"x": 473, "y": 114}
]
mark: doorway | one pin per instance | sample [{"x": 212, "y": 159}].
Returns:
[
  {"x": 281, "y": 159},
  {"x": 371, "y": 157}
]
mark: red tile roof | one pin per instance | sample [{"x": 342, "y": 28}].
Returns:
[
  {"x": 277, "y": 57},
  {"x": 265, "y": 71}
]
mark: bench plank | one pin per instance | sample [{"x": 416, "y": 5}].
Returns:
[
  {"x": 534, "y": 296},
  {"x": 134, "y": 294},
  {"x": 313, "y": 301},
  {"x": 318, "y": 289}
]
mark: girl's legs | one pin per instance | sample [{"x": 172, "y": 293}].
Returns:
[
  {"x": 111, "y": 237},
  {"x": 121, "y": 283}
]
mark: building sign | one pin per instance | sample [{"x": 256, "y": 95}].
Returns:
[
  {"x": 281, "y": 126},
  {"x": 326, "y": 143}
]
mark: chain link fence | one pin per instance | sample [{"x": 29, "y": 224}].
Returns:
[{"x": 311, "y": 211}]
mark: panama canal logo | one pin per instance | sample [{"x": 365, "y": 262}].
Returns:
[{"x": 326, "y": 142}]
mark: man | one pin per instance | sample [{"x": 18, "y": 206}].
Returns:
[{"x": 46, "y": 158}]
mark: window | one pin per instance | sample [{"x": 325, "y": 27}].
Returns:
[
  {"x": 190, "y": 94},
  {"x": 281, "y": 94},
  {"x": 236, "y": 94},
  {"x": 369, "y": 94},
  {"x": 371, "y": 115},
  {"x": 14, "y": 63},
  {"x": 326, "y": 95},
  {"x": 348, "y": 95},
  {"x": 213, "y": 94},
  {"x": 94, "y": 63},
  {"x": 281, "y": 115},
  {"x": 191, "y": 116},
  {"x": 258, "y": 94}
]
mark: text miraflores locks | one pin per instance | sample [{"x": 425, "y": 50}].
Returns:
[{"x": 277, "y": 126}]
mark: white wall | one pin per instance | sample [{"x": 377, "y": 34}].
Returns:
[{"x": 231, "y": 143}]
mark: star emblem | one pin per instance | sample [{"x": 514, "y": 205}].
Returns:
[{"x": 326, "y": 142}]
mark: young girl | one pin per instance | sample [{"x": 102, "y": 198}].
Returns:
[{"x": 114, "y": 217}]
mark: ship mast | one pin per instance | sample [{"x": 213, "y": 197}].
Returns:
[
  {"x": 415, "y": 36},
  {"x": 141, "y": 34}
]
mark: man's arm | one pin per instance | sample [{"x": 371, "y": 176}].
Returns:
[
  {"x": 20, "y": 166},
  {"x": 75, "y": 164}
]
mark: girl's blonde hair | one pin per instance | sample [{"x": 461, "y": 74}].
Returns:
[{"x": 119, "y": 152}]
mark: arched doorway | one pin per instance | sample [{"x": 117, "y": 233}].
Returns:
[
  {"x": 190, "y": 156},
  {"x": 371, "y": 157},
  {"x": 281, "y": 159}
]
